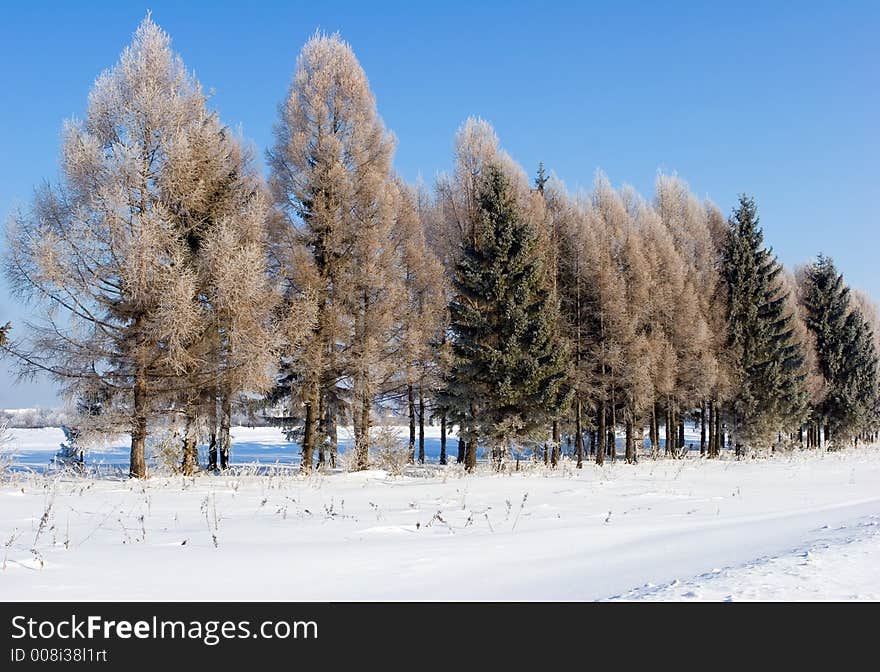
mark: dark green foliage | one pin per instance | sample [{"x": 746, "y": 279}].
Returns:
[
  {"x": 769, "y": 393},
  {"x": 541, "y": 179},
  {"x": 859, "y": 376},
  {"x": 505, "y": 382},
  {"x": 844, "y": 350}
]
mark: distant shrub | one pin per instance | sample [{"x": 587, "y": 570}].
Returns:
[
  {"x": 5, "y": 449},
  {"x": 388, "y": 452}
]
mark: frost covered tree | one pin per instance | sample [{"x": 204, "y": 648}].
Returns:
[
  {"x": 608, "y": 329},
  {"x": 507, "y": 361},
  {"x": 227, "y": 241},
  {"x": 107, "y": 256},
  {"x": 569, "y": 219},
  {"x": 332, "y": 178},
  {"x": 424, "y": 315},
  {"x": 697, "y": 345},
  {"x": 550, "y": 226}
]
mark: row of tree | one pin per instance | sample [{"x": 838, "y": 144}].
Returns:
[{"x": 168, "y": 280}]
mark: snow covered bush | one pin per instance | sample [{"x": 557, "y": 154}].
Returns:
[
  {"x": 388, "y": 452},
  {"x": 5, "y": 452},
  {"x": 71, "y": 454},
  {"x": 166, "y": 446}
]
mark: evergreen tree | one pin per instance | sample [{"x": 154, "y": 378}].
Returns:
[
  {"x": 845, "y": 352},
  {"x": 768, "y": 359},
  {"x": 859, "y": 392},
  {"x": 541, "y": 179},
  {"x": 508, "y": 366},
  {"x": 826, "y": 299}
]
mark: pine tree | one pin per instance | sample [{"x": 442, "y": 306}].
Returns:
[
  {"x": 844, "y": 351},
  {"x": 541, "y": 179},
  {"x": 507, "y": 359},
  {"x": 455, "y": 225},
  {"x": 860, "y": 371},
  {"x": 826, "y": 299},
  {"x": 769, "y": 360}
]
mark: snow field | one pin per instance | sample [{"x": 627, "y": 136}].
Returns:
[{"x": 797, "y": 526}]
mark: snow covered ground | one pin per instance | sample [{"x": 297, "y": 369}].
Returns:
[{"x": 803, "y": 526}]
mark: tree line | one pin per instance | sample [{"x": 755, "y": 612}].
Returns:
[{"x": 168, "y": 280}]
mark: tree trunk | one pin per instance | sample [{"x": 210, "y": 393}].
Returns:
[
  {"x": 612, "y": 431},
  {"x": 702, "y": 427},
  {"x": 461, "y": 448},
  {"x": 578, "y": 434},
  {"x": 322, "y": 430},
  {"x": 190, "y": 445},
  {"x": 332, "y": 432},
  {"x": 653, "y": 432},
  {"x": 421, "y": 426},
  {"x": 138, "y": 466},
  {"x": 470, "y": 461},
  {"x": 603, "y": 437},
  {"x": 308, "y": 443},
  {"x": 212, "y": 434},
  {"x": 554, "y": 451},
  {"x": 411, "y": 407},
  {"x": 630, "y": 454},
  {"x": 668, "y": 429},
  {"x": 225, "y": 422},
  {"x": 362, "y": 446},
  {"x": 443, "y": 437},
  {"x": 719, "y": 435},
  {"x": 711, "y": 428},
  {"x": 681, "y": 433},
  {"x": 497, "y": 457}
]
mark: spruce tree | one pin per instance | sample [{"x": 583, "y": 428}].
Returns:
[
  {"x": 768, "y": 359},
  {"x": 858, "y": 391},
  {"x": 845, "y": 353},
  {"x": 541, "y": 178},
  {"x": 826, "y": 299},
  {"x": 505, "y": 382}
]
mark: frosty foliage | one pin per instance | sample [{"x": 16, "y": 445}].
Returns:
[
  {"x": 146, "y": 264},
  {"x": 387, "y": 451},
  {"x": 171, "y": 289},
  {"x": 5, "y": 449}
]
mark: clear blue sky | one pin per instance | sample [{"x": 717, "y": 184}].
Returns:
[{"x": 780, "y": 100}]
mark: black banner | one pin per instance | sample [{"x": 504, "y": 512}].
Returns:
[{"x": 391, "y": 635}]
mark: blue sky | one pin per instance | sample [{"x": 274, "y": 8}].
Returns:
[{"x": 780, "y": 100}]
